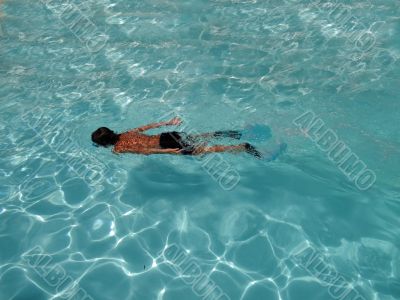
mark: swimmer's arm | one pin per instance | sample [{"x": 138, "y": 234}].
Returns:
[
  {"x": 148, "y": 151},
  {"x": 163, "y": 151},
  {"x": 174, "y": 121}
]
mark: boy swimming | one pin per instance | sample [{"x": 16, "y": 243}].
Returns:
[{"x": 172, "y": 142}]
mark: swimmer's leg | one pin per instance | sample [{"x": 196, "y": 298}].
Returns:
[
  {"x": 246, "y": 147},
  {"x": 218, "y": 148},
  {"x": 233, "y": 134}
]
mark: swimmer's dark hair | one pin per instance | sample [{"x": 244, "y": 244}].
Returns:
[{"x": 105, "y": 137}]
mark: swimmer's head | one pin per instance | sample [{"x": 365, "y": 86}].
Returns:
[{"x": 104, "y": 137}]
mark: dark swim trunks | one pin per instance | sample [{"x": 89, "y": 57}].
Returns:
[{"x": 176, "y": 140}]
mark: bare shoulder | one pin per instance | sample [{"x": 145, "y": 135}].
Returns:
[{"x": 121, "y": 147}]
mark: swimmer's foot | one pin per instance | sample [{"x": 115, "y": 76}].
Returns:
[
  {"x": 252, "y": 150},
  {"x": 233, "y": 134}
]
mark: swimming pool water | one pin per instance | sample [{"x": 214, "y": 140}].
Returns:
[{"x": 78, "y": 222}]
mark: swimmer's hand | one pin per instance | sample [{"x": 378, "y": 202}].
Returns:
[
  {"x": 171, "y": 151},
  {"x": 175, "y": 121}
]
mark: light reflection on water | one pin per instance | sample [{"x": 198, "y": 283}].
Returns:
[{"x": 221, "y": 65}]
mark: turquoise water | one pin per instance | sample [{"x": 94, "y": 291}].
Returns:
[{"x": 78, "y": 222}]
